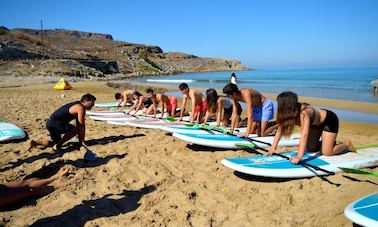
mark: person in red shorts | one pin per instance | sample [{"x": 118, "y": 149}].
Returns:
[
  {"x": 170, "y": 102},
  {"x": 198, "y": 101}
]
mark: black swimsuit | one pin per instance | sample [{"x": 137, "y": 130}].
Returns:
[
  {"x": 330, "y": 123},
  {"x": 58, "y": 123}
]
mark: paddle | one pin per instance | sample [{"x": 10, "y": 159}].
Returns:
[
  {"x": 89, "y": 155},
  {"x": 358, "y": 171}
]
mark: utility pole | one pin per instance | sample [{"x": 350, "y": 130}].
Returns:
[{"x": 41, "y": 32}]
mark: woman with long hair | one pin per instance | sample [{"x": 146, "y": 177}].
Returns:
[
  {"x": 314, "y": 124},
  {"x": 221, "y": 106}
]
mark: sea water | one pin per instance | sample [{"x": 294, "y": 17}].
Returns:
[{"x": 334, "y": 83}]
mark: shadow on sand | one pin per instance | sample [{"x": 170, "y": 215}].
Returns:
[
  {"x": 51, "y": 169},
  {"x": 107, "y": 206},
  {"x": 69, "y": 147}
]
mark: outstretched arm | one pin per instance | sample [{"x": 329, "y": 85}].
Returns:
[
  {"x": 184, "y": 99},
  {"x": 138, "y": 105},
  {"x": 219, "y": 111},
  {"x": 305, "y": 128},
  {"x": 277, "y": 138},
  {"x": 80, "y": 123},
  {"x": 233, "y": 116}
]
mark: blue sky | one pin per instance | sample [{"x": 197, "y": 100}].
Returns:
[{"x": 262, "y": 34}]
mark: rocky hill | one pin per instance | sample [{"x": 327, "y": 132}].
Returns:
[{"x": 59, "y": 52}]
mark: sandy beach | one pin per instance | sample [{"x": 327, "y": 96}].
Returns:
[{"x": 147, "y": 178}]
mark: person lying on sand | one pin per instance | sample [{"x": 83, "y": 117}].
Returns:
[
  {"x": 259, "y": 109},
  {"x": 124, "y": 98},
  {"x": 314, "y": 124},
  {"x": 222, "y": 106},
  {"x": 14, "y": 192},
  {"x": 198, "y": 103},
  {"x": 165, "y": 101},
  {"x": 59, "y": 123}
]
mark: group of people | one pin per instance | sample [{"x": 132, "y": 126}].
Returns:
[{"x": 318, "y": 127}]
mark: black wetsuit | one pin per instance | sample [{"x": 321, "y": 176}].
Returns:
[{"x": 59, "y": 122}]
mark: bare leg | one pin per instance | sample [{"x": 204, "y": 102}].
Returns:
[
  {"x": 328, "y": 144},
  {"x": 226, "y": 118},
  {"x": 148, "y": 110},
  {"x": 254, "y": 128},
  {"x": 14, "y": 192},
  {"x": 37, "y": 182},
  {"x": 69, "y": 135},
  {"x": 263, "y": 128},
  {"x": 313, "y": 143},
  {"x": 271, "y": 129},
  {"x": 43, "y": 142}
]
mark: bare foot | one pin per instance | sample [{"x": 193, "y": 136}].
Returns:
[
  {"x": 57, "y": 148},
  {"x": 62, "y": 171},
  {"x": 78, "y": 175},
  {"x": 350, "y": 145},
  {"x": 32, "y": 145}
]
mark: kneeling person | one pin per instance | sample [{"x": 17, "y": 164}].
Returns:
[
  {"x": 58, "y": 123},
  {"x": 170, "y": 102}
]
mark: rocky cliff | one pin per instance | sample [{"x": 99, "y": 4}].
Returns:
[{"x": 85, "y": 54}]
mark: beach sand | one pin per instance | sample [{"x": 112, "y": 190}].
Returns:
[{"x": 147, "y": 178}]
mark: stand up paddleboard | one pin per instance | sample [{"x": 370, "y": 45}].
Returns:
[
  {"x": 364, "y": 211},
  {"x": 279, "y": 167},
  {"x": 106, "y": 113},
  {"x": 195, "y": 130},
  {"x": 9, "y": 131},
  {"x": 110, "y": 104},
  {"x": 234, "y": 142},
  {"x": 124, "y": 117},
  {"x": 152, "y": 123}
]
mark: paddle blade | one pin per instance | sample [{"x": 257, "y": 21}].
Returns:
[
  {"x": 246, "y": 145},
  {"x": 357, "y": 171},
  {"x": 89, "y": 155}
]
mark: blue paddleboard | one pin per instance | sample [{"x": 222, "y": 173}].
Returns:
[
  {"x": 279, "y": 167},
  {"x": 364, "y": 211},
  {"x": 9, "y": 131}
]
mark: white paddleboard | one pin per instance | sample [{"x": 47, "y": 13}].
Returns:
[
  {"x": 364, "y": 211},
  {"x": 110, "y": 104},
  {"x": 106, "y": 113},
  {"x": 125, "y": 117},
  {"x": 153, "y": 123},
  {"x": 9, "y": 131},
  {"x": 195, "y": 130},
  {"x": 279, "y": 167},
  {"x": 233, "y": 142}
]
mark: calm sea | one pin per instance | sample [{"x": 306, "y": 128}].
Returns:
[{"x": 335, "y": 83}]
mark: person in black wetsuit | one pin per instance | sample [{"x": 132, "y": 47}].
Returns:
[
  {"x": 314, "y": 124},
  {"x": 58, "y": 123}
]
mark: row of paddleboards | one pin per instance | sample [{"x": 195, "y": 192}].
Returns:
[{"x": 258, "y": 165}]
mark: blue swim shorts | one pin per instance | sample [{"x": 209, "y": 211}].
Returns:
[{"x": 265, "y": 112}]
